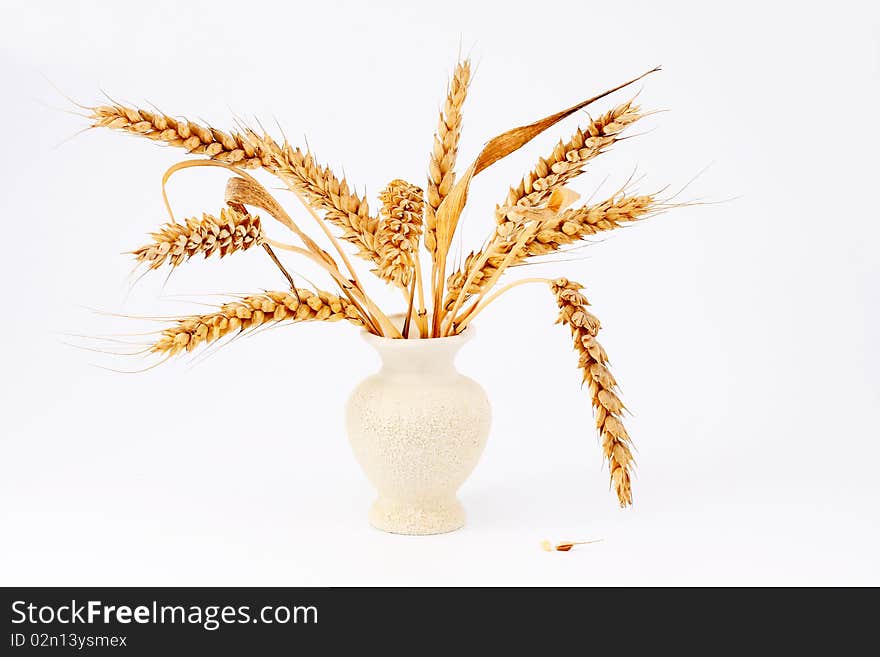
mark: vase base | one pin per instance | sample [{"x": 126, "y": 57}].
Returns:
[{"x": 436, "y": 517}]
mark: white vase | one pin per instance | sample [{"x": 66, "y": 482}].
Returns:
[{"x": 418, "y": 428}]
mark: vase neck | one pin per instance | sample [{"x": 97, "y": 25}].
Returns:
[{"x": 423, "y": 358}]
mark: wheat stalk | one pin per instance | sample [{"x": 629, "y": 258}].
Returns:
[
  {"x": 569, "y": 158},
  {"x": 593, "y": 361},
  {"x": 552, "y": 232},
  {"x": 251, "y": 312},
  {"x": 197, "y": 139},
  {"x": 441, "y": 166},
  {"x": 397, "y": 237},
  {"x": 176, "y": 242}
]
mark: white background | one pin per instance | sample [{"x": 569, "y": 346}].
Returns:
[{"x": 744, "y": 334}]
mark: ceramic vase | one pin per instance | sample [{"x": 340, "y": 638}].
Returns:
[{"x": 417, "y": 428}]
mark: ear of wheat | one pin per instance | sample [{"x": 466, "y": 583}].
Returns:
[
  {"x": 252, "y": 312},
  {"x": 326, "y": 192},
  {"x": 399, "y": 232},
  {"x": 176, "y": 242},
  {"x": 534, "y": 220},
  {"x": 593, "y": 361},
  {"x": 195, "y": 138},
  {"x": 441, "y": 167}
]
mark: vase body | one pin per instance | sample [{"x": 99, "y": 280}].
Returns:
[{"x": 417, "y": 428}]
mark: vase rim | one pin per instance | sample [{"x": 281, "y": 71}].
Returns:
[{"x": 398, "y": 318}]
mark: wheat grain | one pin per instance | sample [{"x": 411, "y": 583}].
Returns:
[
  {"x": 441, "y": 166},
  {"x": 593, "y": 362},
  {"x": 197, "y": 139},
  {"x": 176, "y": 242},
  {"x": 397, "y": 237},
  {"x": 569, "y": 158},
  {"x": 251, "y": 312}
]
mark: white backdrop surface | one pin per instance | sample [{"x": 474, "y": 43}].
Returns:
[{"x": 744, "y": 333}]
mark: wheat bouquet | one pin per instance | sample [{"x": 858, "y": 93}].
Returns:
[{"x": 407, "y": 243}]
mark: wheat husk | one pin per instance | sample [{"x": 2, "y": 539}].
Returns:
[{"x": 593, "y": 362}]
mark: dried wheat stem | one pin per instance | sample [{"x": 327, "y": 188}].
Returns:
[
  {"x": 593, "y": 361},
  {"x": 274, "y": 258},
  {"x": 468, "y": 316},
  {"x": 398, "y": 233},
  {"x": 176, "y": 242},
  {"x": 251, "y": 312},
  {"x": 441, "y": 166},
  {"x": 407, "y": 318},
  {"x": 355, "y": 297},
  {"x": 421, "y": 313},
  {"x": 569, "y": 158}
]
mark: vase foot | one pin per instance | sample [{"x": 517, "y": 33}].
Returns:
[{"x": 417, "y": 519}]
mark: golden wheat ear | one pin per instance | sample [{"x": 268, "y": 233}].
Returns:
[
  {"x": 441, "y": 165},
  {"x": 593, "y": 362},
  {"x": 325, "y": 192},
  {"x": 196, "y": 139},
  {"x": 400, "y": 227},
  {"x": 252, "y": 312},
  {"x": 210, "y": 235}
]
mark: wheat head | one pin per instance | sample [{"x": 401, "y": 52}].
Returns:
[
  {"x": 574, "y": 225},
  {"x": 593, "y": 362},
  {"x": 325, "y": 191},
  {"x": 251, "y": 312},
  {"x": 176, "y": 242},
  {"x": 197, "y": 139},
  {"x": 441, "y": 166},
  {"x": 397, "y": 237}
]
